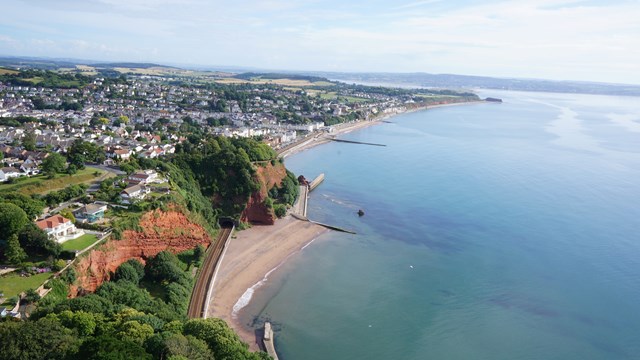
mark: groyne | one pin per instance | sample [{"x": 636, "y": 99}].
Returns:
[
  {"x": 355, "y": 142},
  {"x": 267, "y": 340},
  {"x": 316, "y": 182}
]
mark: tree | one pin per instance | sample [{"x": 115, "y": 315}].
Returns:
[
  {"x": 82, "y": 151},
  {"x": 83, "y": 322},
  {"x": 106, "y": 347},
  {"x": 66, "y": 213},
  {"x": 123, "y": 119},
  {"x": 125, "y": 293},
  {"x": 29, "y": 140},
  {"x": 36, "y": 340},
  {"x": 223, "y": 342},
  {"x": 198, "y": 253},
  {"x": 280, "y": 210},
  {"x": 187, "y": 346},
  {"x": 127, "y": 272},
  {"x": 14, "y": 253},
  {"x": 135, "y": 332},
  {"x": 137, "y": 265},
  {"x": 31, "y": 296},
  {"x": 164, "y": 267},
  {"x": 54, "y": 163},
  {"x": 72, "y": 169},
  {"x": 33, "y": 207},
  {"x": 12, "y": 219},
  {"x": 36, "y": 242}
]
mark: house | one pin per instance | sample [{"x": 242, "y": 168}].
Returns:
[
  {"x": 122, "y": 154},
  {"x": 90, "y": 212},
  {"x": 30, "y": 168},
  {"x": 143, "y": 177},
  {"x": 59, "y": 228},
  {"x": 135, "y": 192},
  {"x": 7, "y": 173}
]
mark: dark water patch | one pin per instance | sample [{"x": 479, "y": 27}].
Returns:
[{"x": 528, "y": 305}]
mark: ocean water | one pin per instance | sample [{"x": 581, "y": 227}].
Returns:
[{"x": 491, "y": 231}]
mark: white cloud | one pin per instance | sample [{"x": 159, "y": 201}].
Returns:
[{"x": 526, "y": 38}]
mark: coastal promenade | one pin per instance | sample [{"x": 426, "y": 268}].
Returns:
[
  {"x": 300, "y": 206},
  {"x": 200, "y": 297}
]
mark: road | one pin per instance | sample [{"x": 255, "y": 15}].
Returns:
[
  {"x": 200, "y": 294},
  {"x": 107, "y": 169}
]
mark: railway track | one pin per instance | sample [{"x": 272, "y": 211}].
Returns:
[{"x": 199, "y": 296}]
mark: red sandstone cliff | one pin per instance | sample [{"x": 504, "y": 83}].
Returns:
[
  {"x": 256, "y": 212},
  {"x": 161, "y": 231}
]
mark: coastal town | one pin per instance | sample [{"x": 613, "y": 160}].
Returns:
[{"x": 86, "y": 160}]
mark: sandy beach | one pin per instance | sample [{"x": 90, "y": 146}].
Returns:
[
  {"x": 322, "y": 138},
  {"x": 251, "y": 255},
  {"x": 257, "y": 251}
]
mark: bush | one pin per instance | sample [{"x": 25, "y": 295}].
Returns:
[
  {"x": 58, "y": 265},
  {"x": 68, "y": 276},
  {"x": 280, "y": 210},
  {"x": 127, "y": 272}
]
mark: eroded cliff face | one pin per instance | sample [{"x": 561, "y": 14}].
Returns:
[
  {"x": 256, "y": 212},
  {"x": 169, "y": 230}
]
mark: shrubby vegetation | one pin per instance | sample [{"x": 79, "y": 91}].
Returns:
[
  {"x": 48, "y": 79},
  {"x": 122, "y": 320},
  {"x": 54, "y": 198},
  {"x": 21, "y": 237},
  {"x": 223, "y": 169}
]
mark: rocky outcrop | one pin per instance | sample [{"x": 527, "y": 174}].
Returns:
[
  {"x": 302, "y": 180},
  {"x": 161, "y": 230},
  {"x": 256, "y": 211}
]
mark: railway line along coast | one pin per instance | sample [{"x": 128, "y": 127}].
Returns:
[{"x": 203, "y": 288}]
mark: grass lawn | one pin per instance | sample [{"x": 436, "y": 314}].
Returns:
[
  {"x": 328, "y": 96},
  {"x": 14, "y": 284},
  {"x": 80, "y": 243},
  {"x": 39, "y": 184}
]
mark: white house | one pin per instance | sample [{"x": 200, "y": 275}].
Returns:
[
  {"x": 143, "y": 177},
  {"x": 122, "y": 154},
  {"x": 7, "y": 173},
  {"x": 135, "y": 192},
  {"x": 30, "y": 168},
  {"x": 59, "y": 228}
]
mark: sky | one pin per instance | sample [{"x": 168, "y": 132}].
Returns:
[{"x": 592, "y": 40}]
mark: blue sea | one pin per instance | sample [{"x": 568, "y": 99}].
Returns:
[{"x": 491, "y": 231}]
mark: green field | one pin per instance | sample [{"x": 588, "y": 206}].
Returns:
[
  {"x": 13, "y": 284},
  {"x": 333, "y": 95},
  {"x": 39, "y": 184},
  {"x": 80, "y": 243},
  {"x": 4, "y": 71}
]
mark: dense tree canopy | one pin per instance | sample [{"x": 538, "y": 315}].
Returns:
[
  {"x": 33, "y": 207},
  {"x": 121, "y": 320},
  {"x": 82, "y": 152},
  {"x": 12, "y": 219},
  {"x": 53, "y": 164}
]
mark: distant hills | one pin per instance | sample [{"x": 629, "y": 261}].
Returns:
[
  {"x": 481, "y": 82},
  {"x": 449, "y": 81}
]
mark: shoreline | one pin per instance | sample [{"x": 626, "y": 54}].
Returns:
[
  {"x": 252, "y": 256},
  {"x": 344, "y": 128}
]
